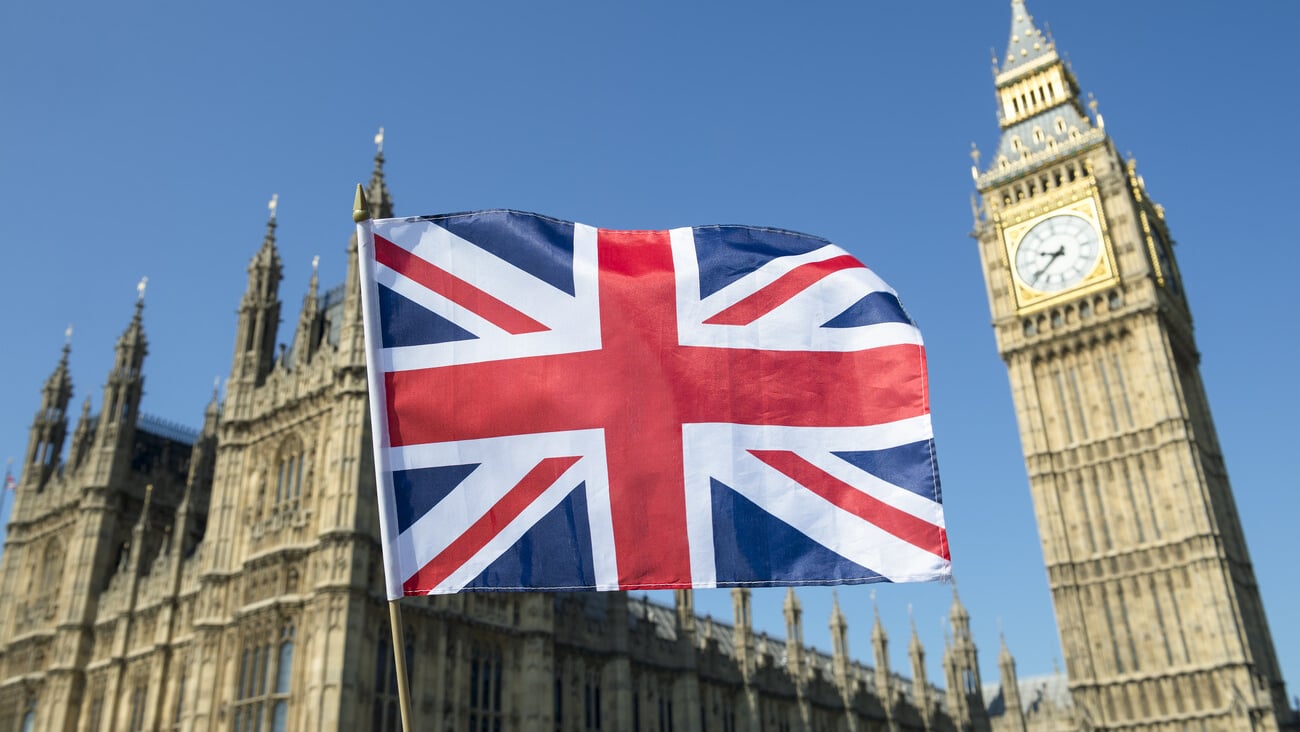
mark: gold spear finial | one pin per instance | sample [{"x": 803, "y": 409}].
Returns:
[
  {"x": 273, "y": 205},
  {"x": 360, "y": 208},
  {"x": 315, "y": 263}
]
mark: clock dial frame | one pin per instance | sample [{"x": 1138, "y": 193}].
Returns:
[{"x": 1058, "y": 253}]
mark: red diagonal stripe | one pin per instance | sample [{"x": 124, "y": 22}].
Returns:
[
  {"x": 917, "y": 532},
  {"x": 454, "y": 288},
  {"x": 787, "y": 286},
  {"x": 513, "y": 503}
]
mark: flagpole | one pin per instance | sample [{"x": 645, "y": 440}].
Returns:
[
  {"x": 399, "y": 659},
  {"x": 361, "y": 213}
]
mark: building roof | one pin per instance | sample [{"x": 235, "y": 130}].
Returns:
[{"x": 1027, "y": 47}]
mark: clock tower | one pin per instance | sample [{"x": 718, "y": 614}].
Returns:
[{"x": 1156, "y": 602}]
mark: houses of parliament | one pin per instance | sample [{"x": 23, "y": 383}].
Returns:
[{"x": 229, "y": 578}]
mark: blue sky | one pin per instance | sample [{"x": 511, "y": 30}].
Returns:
[{"x": 146, "y": 138}]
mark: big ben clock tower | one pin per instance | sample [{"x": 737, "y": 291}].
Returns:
[{"x": 1160, "y": 617}]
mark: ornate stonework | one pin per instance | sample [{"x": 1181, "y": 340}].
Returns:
[
  {"x": 159, "y": 579},
  {"x": 1160, "y": 618}
]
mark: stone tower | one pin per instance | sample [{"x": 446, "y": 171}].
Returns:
[{"x": 1159, "y": 613}]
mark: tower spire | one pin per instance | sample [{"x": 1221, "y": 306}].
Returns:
[
  {"x": 307, "y": 336},
  {"x": 122, "y": 392},
  {"x": 259, "y": 312},
  {"x": 50, "y": 425},
  {"x": 1010, "y": 688},
  {"x": 381, "y": 203},
  {"x": 793, "y": 632},
  {"x": 1027, "y": 47},
  {"x": 880, "y": 649},
  {"x": 920, "y": 685}
]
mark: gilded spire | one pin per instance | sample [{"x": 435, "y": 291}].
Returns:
[{"x": 132, "y": 344}]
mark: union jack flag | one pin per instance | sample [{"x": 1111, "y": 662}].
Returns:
[{"x": 560, "y": 407}]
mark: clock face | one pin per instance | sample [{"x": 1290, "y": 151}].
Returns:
[{"x": 1058, "y": 253}]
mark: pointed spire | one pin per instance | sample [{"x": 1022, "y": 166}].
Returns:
[
  {"x": 58, "y": 387},
  {"x": 1027, "y": 46},
  {"x": 914, "y": 647},
  {"x": 213, "y": 410},
  {"x": 1014, "y": 711},
  {"x": 959, "y": 616},
  {"x": 81, "y": 437},
  {"x": 743, "y": 630},
  {"x": 877, "y": 629},
  {"x": 268, "y": 257},
  {"x": 306, "y": 338},
  {"x": 839, "y": 642},
  {"x": 381, "y": 203},
  {"x": 793, "y": 632},
  {"x": 684, "y": 600},
  {"x": 920, "y": 685},
  {"x": 259, "y": 316},
  {"x": 132, "y": 339}
]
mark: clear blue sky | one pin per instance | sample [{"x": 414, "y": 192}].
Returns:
[{"x": 145, "y": 139}]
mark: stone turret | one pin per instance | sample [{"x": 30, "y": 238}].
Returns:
[
  {"x": 793, "y": 633},
  {"x": 1014, "y": 719},
  {"x": 966, "y": 701},
  {"x": 884, "y": 681},
  {"x": 920, "y": 686},
  {"x": 259, "y": 315},
  {"x": 49, "y": 426},
  {"x": 310, "y": 321},
  {"x": 115, "y": 433}
]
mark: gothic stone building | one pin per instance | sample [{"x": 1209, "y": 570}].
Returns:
[
  {"x": 1160, "y": 616},
  {"x": 156, "y": 579}
]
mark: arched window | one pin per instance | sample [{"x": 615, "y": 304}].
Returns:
[
  {"x": 139, "y": 697},
  {"x": 290, "y": 472},
  {"x": 265, "y": 676}
]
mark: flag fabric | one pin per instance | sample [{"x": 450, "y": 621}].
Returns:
[
  {"x": 560, "y": 407},
  {"x": 10, "y": 483}
]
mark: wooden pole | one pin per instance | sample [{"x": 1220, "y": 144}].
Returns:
[
  {"x": 399, "y": 658},
  {"x": 360, "y": 213}
]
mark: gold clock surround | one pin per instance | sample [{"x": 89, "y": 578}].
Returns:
[{"x": 1102, "y": 275}]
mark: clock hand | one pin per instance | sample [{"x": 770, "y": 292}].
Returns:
[{"x": 1053, "y": 255}]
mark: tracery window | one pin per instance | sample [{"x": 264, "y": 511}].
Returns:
[
  {"x": 591, "y": 700},
  {"x": 179, "y": 707},
  {"x": 484, "y": 688},
  {"x": 290, "y": 470},
  {"x": 139, "y": 695},
  {"x": 262, "y": 695}
]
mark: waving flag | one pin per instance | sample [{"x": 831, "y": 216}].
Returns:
[{"x": 557, "y": 406}]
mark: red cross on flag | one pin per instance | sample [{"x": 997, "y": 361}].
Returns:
[{"x": 560, "y": 407}]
